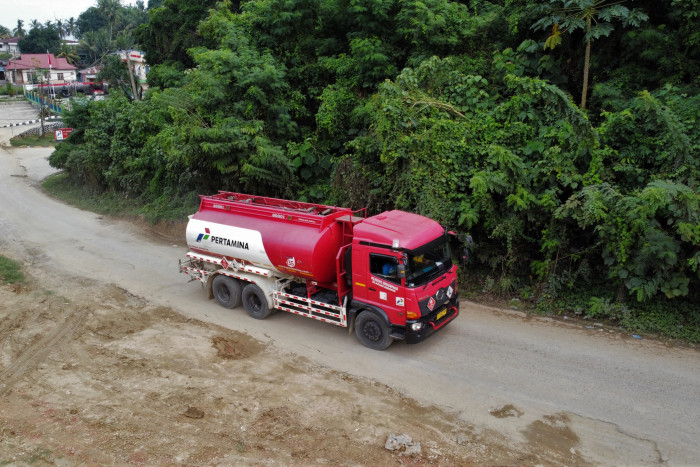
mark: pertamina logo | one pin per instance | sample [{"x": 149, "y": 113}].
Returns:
[
  {"x": 221, "y": 240},
  {"x": 203, "y": 236}
]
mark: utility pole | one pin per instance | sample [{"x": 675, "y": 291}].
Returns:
[{"x": 41, "y": 108}]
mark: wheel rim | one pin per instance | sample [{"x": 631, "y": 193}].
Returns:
[
  {"x": 255, "y": 303},
  {"x": 372, "y": 331},
  {"x": 223, "y": 293}
]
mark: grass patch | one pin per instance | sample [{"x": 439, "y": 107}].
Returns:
[
  {"x": 677, "y": 318},
  {"x": 10, "y": 271},
  {"x": 115, "y": 204},
  {"x": 661, "y": 317},
  {"x": 112, "y": 204},
  {"x": 34, "y": 140}
]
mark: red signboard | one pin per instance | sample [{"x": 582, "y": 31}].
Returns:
[{"x": 60, "y": 134}]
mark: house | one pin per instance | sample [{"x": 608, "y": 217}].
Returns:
[
  {"x": 89, "y": 75},
  {"x": 9, "y": 46},
  {"x": 26, "y": 68}
]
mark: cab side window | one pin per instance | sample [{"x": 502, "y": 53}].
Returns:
[{"x": 385, "y": 267}]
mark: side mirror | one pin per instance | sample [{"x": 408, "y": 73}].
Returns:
[
  {"x": 401, "y": 271},
  {"x": 464, "y": 259},
  {"x": 468, "y": 244}
]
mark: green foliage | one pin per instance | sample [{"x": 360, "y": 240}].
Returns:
[
  {"x": 8, "y": 90},
  {"x": 604, "y": 308},
  {"x": 450, "y": 109},
  {"x": 594, "y": 17},
  {"x": 10, "y": 271},
  {"x": 114, "y": 71},
  {"x": 40, "y": 39},
  {"x": 171, "y": 30},
  {"x": 472, "y": 159},
  {"x": 90, "y": 20}
]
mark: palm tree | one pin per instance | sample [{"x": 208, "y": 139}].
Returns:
[
  {"x": 71, "y": 27},
  {"x": 109, "y": 9},
  {"x": 96, "y": 45},
  {"x": 61, "y": 29},
  {"x": 34, "y": 24},
  {"x": 19, "y": 30},
  {"x": 68, "y": 52}
]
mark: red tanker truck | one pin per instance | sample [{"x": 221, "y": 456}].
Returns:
[{"x": 386, "y": 277}]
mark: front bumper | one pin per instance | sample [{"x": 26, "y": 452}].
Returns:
[{"x": 430, "y": 324}]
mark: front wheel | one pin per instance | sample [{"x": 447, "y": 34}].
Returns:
[
  {"x": 373, "y": 331},
  {"x": 255, "y": 303}
]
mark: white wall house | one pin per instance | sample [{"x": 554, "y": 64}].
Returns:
[
  {"x": 9, "y": 45},
  {"x": 30, "y": 69}
]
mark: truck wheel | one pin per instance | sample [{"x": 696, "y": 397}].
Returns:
[
  {"x": 254, "y": 302},
  {"x": 372, "y": 331},
  {"x": 227, "y": 291}
]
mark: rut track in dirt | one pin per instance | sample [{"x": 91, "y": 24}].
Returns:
[{"x": 37, "y": 352}]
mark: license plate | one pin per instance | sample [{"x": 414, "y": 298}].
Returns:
[{"x": 441, "y": 314}]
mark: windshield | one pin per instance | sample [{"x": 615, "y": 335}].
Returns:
[{"x": 428, "y": 262}]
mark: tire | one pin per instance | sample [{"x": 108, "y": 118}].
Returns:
[
  {"x": 255, "y": 302},
  {"x": 227, "y": 291},
  {"x": 372, "y": 331}
]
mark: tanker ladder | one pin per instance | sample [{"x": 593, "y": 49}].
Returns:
[
  {"x": 309, "y": 308},
  {"x": 228, "y": 268}
]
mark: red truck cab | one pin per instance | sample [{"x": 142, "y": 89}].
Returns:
[{"x": 404, "y": 282}]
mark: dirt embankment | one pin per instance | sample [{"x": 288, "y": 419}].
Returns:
[{"x": 96, "y": 375}]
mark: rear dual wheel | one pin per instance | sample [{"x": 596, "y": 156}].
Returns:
[
  {"x": 255, "y": 302},
  {"x": 227, "y": 291},
  {"x": 229, "y": 294}
]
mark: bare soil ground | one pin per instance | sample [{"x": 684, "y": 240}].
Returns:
[{"x": 92, "y": 374}]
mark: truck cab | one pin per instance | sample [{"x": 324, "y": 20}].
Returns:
[{"x": 403, "y": 279}]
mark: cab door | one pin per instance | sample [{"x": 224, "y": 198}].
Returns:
[{"x": 384, "y": 288}]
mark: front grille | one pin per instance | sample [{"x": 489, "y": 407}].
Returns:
[{"x": 440, "y": 298}]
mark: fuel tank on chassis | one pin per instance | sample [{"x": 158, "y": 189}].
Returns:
[{"x": 283, "y": 245}]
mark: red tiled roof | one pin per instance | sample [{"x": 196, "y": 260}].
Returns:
[{"x": 32, "y": 61}]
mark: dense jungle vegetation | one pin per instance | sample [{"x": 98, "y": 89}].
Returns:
[{"x": 561, "y": 134}]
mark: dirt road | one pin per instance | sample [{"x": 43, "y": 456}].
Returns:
[{"x": 110, "y": 356}]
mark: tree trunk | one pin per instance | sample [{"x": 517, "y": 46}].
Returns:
[
  {"x": 131, "y": 75},
  {"x": 586, "y": 66}
]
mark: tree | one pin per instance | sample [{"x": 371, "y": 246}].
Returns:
[
  {"x": 594, "y": 17},
  {"x": 4, "y": 32},
  {"x": 172, "y": 30},
  {"x": 96, "y": 45},
  {"x": 41, "y": 39},
  {"x": 90, "y": 20},
  {"x": 114, "y": 71},
  {"x": 19, "y": 30},
  {"x": 109, "y": 9},
  {"x": 71, "y": 27},
  {"x": 68, "y": 52}
]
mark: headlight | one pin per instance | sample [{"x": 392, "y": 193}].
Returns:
[{"x": 416, "y": 326}]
